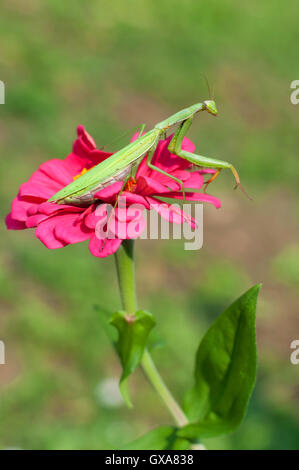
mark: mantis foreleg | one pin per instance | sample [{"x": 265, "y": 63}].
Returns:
[
  {"x": 156, "y": 168},
  {"x": 213, "y": 177},
  {"x": 175, "y": 147}
]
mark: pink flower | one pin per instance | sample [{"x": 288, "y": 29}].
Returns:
[{"x": 59, "y": 225}]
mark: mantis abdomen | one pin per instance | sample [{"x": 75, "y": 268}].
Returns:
[
  {"x": 107, "y": 172},
  {"x": 88, "y": 197}
]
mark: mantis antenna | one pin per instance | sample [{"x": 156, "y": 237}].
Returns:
[
  {"x": 211, "y": 96},
  {"x": 135, "y": 128}
]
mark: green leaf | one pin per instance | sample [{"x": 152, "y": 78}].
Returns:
[
  {"x": 133, "y": 332},
  {"x": 225, "y": 371},
  {"x": 163, "y": 438}
]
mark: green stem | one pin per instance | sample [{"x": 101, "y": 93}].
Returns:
[
  {"x": 126, "y": 278},
  {"x": 161, "y": 388}
]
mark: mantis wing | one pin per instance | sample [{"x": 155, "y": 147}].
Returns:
[{"x": 114, "y": 168}]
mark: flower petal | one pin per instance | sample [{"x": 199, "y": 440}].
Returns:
[
  {"x": 58, "y": 171},
  {"x": 127, "y": 222},
  {"x": 102, "y": 248},
  {"x": 147, "y": 186},
  {"x": 85, "y": 154},
  {"x": 171, "y": 212},
  {"x": 34, "y": 220},
  {"x": 192, "y": 196},
  {"x": 45, "y": 232},
  {"x": 50, "y": 208},
  {"x": 69, "y": 230},
  {"x": 127, "y": 198},
  {"x": 84, "y": 143},
  {"x": 110, "y": 192},
  {"x": 14, "y": 224},
  {"x": 21, "y": 207}
]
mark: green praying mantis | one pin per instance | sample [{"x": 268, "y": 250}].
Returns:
[{"x": 117, "y": 167}]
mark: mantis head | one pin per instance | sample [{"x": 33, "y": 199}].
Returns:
[{"x": 210, "y": 106}]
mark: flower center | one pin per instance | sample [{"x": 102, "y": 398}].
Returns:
[
  {"x": 85, "y": 170},
  {"x": 131, "y": 185}
]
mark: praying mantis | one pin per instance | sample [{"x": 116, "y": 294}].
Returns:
[{"x": 117, "y": 167}]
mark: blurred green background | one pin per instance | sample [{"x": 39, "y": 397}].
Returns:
[{"x": 110, "y": 66}]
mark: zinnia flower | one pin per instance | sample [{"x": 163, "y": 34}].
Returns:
[{"x": 58, "y": 225}]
